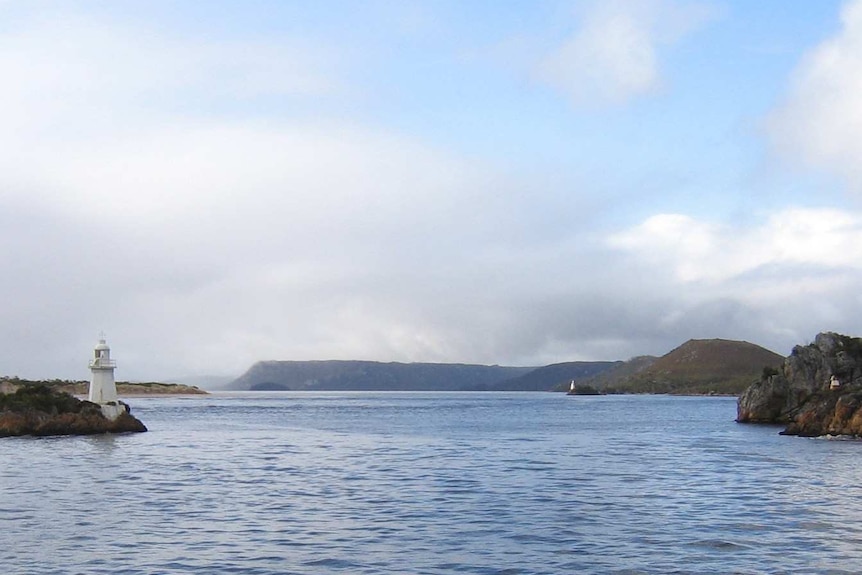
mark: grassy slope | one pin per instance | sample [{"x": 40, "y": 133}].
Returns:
[{"x": 702, "y": 366}]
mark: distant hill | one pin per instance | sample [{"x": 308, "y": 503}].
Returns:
[
  {"x": 373, "y": 376},
  {"x": 698, "y": 366},
  {"x": 557, "y": 376}
]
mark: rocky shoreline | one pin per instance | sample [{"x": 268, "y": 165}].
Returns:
[
  {"x": 39, "y": 410},
  {"x": 817, "y": 391}
]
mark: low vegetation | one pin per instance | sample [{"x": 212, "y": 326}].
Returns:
[
  {"x": 80, "y": 387},
  {"x": 38, "y": 397}
]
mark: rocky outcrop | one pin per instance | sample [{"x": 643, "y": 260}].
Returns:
[
  {"x": 801, "y": 395},
  {"x": 39, "y": 410},
  {"x": 829, "y": 413}
]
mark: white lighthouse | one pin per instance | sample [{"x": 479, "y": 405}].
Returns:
[{"x": 103, "y": 390}]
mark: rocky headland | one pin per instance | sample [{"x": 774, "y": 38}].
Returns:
[
  {"x": 817, "y": 391},
  {"x": 40, "y": 410}
]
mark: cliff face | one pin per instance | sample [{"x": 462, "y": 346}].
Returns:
[
  {"x": 799, "y": 394},
  {"x": 39, "y": 410}
]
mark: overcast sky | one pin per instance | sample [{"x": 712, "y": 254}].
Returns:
[{"x": 518, "y": 183}]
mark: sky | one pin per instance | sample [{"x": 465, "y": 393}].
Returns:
[{"x": 213, "y": 183}]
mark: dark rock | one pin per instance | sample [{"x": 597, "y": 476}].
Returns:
[
  {"x": 829, "y": 413},
  {"x": 799, "y": 395},
  {"x": 39, "y": 410}
]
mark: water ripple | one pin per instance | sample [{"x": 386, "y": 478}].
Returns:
[{"x": 432, "y": 484}]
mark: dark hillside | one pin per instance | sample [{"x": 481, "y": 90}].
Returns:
[{"x": 373, "y": 376}]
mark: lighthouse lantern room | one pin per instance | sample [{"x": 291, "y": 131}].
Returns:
[{"x": 103, "y": 390}]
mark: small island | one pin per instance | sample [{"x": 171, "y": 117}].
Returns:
[
  {"x": 55, "y": 407},
  {"x": 40, "y": 410},
  {"x": 580, "y": 389},
  {"x": 50, "y": 407}
]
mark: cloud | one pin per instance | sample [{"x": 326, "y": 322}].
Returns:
[
  {"x": 203, "y": 242},
  {"x": 781, "y": 281},
  {"x": 82, "y": 74},
  {"x": 264, "y": 240},
  {"x": 697, "y": 251},
  {"x": 820, "y": 121},
  {"x": 199, "y": 201},
  {"x": 614, "y": 54}
]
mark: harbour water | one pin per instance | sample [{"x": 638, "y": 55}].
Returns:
[{"x": 432, "y": 483}]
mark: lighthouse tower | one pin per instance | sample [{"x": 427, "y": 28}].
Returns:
[{"x": 103, "y": 390}]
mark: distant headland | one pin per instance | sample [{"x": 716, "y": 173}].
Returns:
[
  {"x": 41, "y": 410},
  {"x": 697, "y": 367}
]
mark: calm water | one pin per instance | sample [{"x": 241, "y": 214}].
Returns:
[{"x": 415, "y": 483}]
